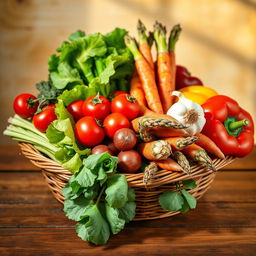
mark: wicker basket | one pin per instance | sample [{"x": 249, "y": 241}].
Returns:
[{"x": 146, "y": 198}]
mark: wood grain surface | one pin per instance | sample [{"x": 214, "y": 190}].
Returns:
[{"x": 33, "y": 223}]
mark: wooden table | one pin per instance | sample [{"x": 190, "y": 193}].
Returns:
[{"x": 33, "y": 223}]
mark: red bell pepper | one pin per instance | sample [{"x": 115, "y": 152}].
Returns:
[{"x": 228, "y": 125}]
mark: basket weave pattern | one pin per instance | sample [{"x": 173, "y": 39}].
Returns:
[{"x": 146, "y": 197}]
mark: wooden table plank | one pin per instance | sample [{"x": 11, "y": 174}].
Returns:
[
  {"x": 32, "y": 222},
  {"x": 163, "y": 241},
  {"x": 12, "y": 160}
]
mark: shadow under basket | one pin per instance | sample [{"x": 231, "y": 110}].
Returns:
[{"x": 146, "y": 197}]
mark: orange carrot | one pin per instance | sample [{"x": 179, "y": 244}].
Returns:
[
  {"x": 155, "y": 150},
  {"x": 179, "y": 143},
  {"x": 198, "y": 154},
  {"x": 144, "y": 46},
  {"x": 169, "y": 164},
  {"x": 163, "y": 67},
  {"x": 146, "y": 76},
  {"x": 207, "y": 144},
  {"x": 174, "y": 36},
  {"x": 136, "y": 90}
]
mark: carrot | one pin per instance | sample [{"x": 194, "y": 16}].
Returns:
[
  {"x": 155, "y": 150},
  {"x": 173, "y": 38},
  {"x": 198, "y": 154},
  {"x": 179, "y": 143},
  {"x": 146, "y": 76},
  {"x": 168, "y": 132},
  {"x": 136, "y": 90},
  {"x": 144, "y": 44},
  {"x": 163, "y": 67},
  {"x": 207, "y": 144},
  {"x": 168, "y": 164},
  {"x": 182, "y": 161}
]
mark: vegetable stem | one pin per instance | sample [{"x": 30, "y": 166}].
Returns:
[
  {"x": 160, "y": 37},
  {"x": 238, "y": 124},
  {"x": 174, "y": 37},
  {"x": 142, "y": 32},
  {"x": 132, "y": 46},
  {"x": 100, "y": 194}
]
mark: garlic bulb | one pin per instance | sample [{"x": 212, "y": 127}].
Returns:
[{"x": 188, "y": 113}]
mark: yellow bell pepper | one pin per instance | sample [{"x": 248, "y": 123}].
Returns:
[{"x": 198, "y": 94}]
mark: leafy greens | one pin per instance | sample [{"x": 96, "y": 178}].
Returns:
[{"x": 101, "y": 204}]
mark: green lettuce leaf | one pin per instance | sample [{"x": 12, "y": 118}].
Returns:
[
  {"x": 76, "y": 35},
  {"x": 116, "y": 223},
  {"x": 115, "y": 38},
  {"x": 93, "y": 227},
  {"x": 117, "y": 190},
  {"x": 75, "y": 209},
  {"x": 65, "y": 75},
  {"x": 127, "y": 212}
]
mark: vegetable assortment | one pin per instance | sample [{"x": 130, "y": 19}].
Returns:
[{"x": 107, "y": 107}]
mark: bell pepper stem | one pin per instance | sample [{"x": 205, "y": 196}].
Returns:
[{"x": 238, "y": 124}]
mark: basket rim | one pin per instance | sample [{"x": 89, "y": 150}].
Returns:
[{"x": 135, "y": 179}]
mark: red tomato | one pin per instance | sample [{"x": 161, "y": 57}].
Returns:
[
  {"x": 42, "y": 120},
  {"x": 126, "y": 105},
  {"x": 115, "y": 94},
  {"x": 75, "y": 108},
  {"x": 22, "y": 107},
  {"x": 114, "y": 122},
  {"x": 88, "y": 132},
  {"x": 96, "y": 106}
]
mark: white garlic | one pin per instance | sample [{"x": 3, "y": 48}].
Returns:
[{"x": 188, "y": 113}]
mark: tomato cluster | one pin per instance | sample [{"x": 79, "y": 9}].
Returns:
[
  {"x": 97, "y": 116},
  {"x": 26, "y": 105}
]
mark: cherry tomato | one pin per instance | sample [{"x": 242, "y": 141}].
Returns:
[
  {"x": 114, "y": 122},
  {"x": 115, "y": 94},
  {"x": 100, "y": 149},
  {"x": 88, "y": 132},
  {"x": 126, "y": 105},
  {"x": 96, "y": 106},
  {"x": 129, "y": 161},
  {"x": 23, "y": 107},
  {"x": 42, "y": 120},
  {"x": 75, "y": 108}
]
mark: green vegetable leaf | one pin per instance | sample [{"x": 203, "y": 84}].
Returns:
[
  {"x": 85, "y": 177},
  {"x": 76, "y": 35},
  {"x": 47, "y": 90},
  {"x": 185, "y": 207},
  {"x": 75, "y": 209},
  {"x": 189, "y": 198},
  {"x": 65, "y": 75},
  {"x": 131, "y": 194},
  {"x": 92, "y": 45},
  {"x": 115, "y": 222},
  {"x": 189, "y": 184},
  {"x": 62, "y": 113},
  {"x": 127, "y": 212},
  {"x": 79, "y": 92},
  {"x": 116, "y": 192},
  {"x": 115, "y": 38},
  {"x": 53, "y": 62},
  {"x": 93, "y": 227},
  {"x": 171, "y": 201}
]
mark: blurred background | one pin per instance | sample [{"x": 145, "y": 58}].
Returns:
[{"x": 218, "y": 42}]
